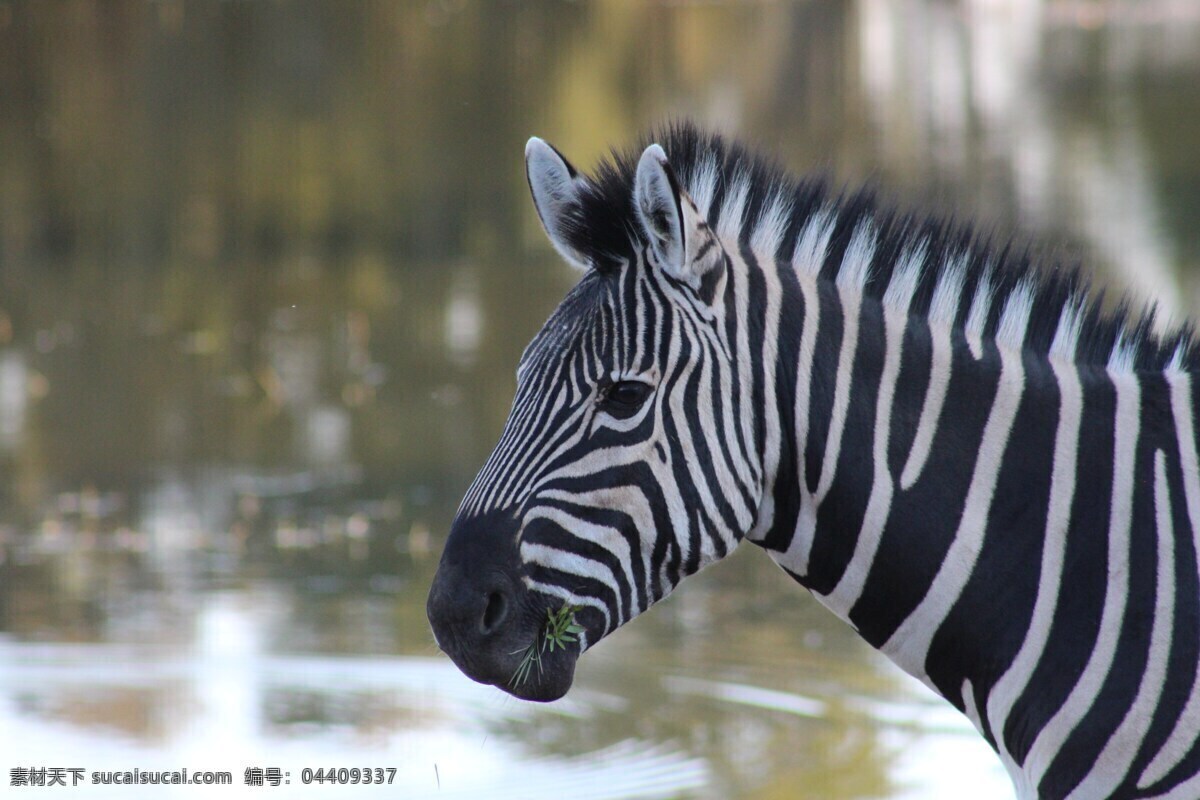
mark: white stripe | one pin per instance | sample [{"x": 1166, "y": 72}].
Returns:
[
  {"x": 765, "y": 244},
  {"x": 970, "y": 706},
  {"x": 854, "y": 266},
  {"x": 1066, "y": 335},
  {"x": 947, "y": 294},
  {"x": 841, "y": 390},
  {"x": 1187, "y": 727},
  {"x": 812, "y": 245},
  {"x": 729, "y": 224},
  {"x": 850, "y": 587},
  {"x": 768, "y": 231},
  {"x": 1050, "y": 739},
  {"x": 732, "y": 458},
  {"x": 743, "y": 454},
  {"x": 640, "y": 336},
  {"x": 1014, "y": 320},
  {"x": 1188, "y": 790},
  {"x": 905, "y": 277},
  {"x": 1177, "y": 357},
  {"x": 977, "y": 317},
  {"x": 856, "y": 262},
  {"x": 704, "y": 184},
  {"x": 1123, "y": 354},
  {"x": 931, "y": 407},
  {"x": 1058, "y": 518},
  {"x": 796, "y": 558},
  {"x": 909, "y": 644},
  {"x": 942, "y": 312},
  {"x": 1118, "y": 754}
]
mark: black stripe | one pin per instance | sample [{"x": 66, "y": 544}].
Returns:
[
  {"x": 1085, "y": 558},
  {"x": 915, "y": 540},
  {"x": 987, "y": 626}
]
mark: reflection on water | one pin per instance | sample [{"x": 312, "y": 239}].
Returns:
[
  {"x": 266, "y": 270},
  {"x": 268, "y": 675}
]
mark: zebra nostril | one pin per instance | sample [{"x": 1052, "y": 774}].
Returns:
[{"x": 494, "y": 614}]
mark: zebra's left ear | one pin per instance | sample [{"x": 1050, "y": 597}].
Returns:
[
  {"x": 683, "y": 244},
  {"x": 556, "y": 188}
]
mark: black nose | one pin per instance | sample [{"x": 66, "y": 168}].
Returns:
[
  {"x": 468, "y": 606},
  {"x": 474, "y": 604}
]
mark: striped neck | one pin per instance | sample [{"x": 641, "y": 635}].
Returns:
[{"x": 939, "y": 482}]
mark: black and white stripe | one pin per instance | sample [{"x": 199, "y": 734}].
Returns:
[{"x": 954, "y": 450}]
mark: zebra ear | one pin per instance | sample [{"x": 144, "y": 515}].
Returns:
[
  {"x": 556, "y": 189},
  {"x": 680, "y": 238}
]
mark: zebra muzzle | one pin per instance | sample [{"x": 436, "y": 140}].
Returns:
[{"x": 489, "y": 623}]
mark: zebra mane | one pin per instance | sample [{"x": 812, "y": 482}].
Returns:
[{"x": 933, "y": 267}]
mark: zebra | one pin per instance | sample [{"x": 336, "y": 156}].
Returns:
[{"x": 953, "y": 447}]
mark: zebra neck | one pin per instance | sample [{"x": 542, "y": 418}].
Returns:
[{"x": 940, "y": 492}]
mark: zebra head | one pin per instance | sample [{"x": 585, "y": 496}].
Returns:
[{"x": 623, "y": 466}]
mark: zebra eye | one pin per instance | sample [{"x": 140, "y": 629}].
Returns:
[{"x": 623, "y": 398}]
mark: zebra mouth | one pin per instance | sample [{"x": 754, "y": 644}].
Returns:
[
  {"x": 529, "y": 671},
  {"x": 545, "y": 683}
]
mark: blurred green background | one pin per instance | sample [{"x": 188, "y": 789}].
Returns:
[{"x": 266, "y": 268}]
